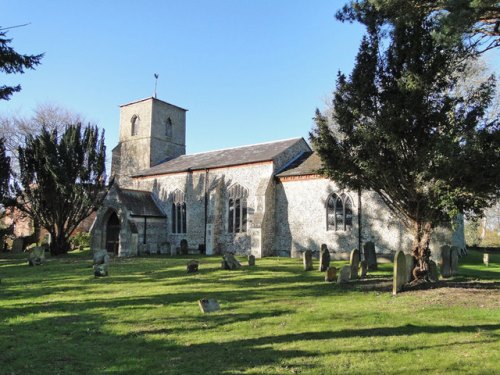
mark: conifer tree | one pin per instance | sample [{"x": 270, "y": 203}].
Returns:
[{"x": 402, "y": 130}]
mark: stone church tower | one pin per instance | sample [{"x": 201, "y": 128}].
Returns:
[{"x": 151, "y": 131}]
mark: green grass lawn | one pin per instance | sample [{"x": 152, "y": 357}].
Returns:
[{"x": 274, "y": 319}]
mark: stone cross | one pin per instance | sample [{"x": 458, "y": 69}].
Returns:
[
  {"x": 330, "y": 274},
  {"x": 370, "y": 255},
  {"x": 308, "y": 262},
  {"x": 324, "y": 258},
  {"x": 344, "y": 275},
  {"x": 399, "y": 275},
  {"x": 445, "y": 261},
  {"x": 354, "y": 264}
]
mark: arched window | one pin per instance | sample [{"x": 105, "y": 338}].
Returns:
[
  {"x": 178, "y": 212},
  {"x": 168, "y": 128},
  {"x": 134, "y": 121},
  {"x": 339, "y": 212},
  {"x": 237, "y": 209}
]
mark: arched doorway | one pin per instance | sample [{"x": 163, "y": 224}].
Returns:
[{"x": 113, "y": 234}]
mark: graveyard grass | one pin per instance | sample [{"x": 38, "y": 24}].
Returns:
[{"x": 275, "y": 319}]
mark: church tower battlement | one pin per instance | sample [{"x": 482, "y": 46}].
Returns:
[{"x": 151, "y": 131}]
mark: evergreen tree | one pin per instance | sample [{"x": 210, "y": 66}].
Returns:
[
  {"x": 13, "y": 62},
  {"x": 4, "y": 174},
  {"x": 61, "y": 180},
  {"x": 403, "y": 131}
]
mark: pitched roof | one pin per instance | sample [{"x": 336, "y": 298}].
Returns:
[
  {"x": 307, "y": 164},
  {"x": 139, "y": 203},
  {"x": 222, "y": 158}
]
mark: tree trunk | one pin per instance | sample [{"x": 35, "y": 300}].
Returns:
[
  {"x": 59, "y": 245},
  {"x": 421, "y": 252}
]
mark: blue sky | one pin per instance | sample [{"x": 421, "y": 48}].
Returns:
[{"x": 248, "y": 71}]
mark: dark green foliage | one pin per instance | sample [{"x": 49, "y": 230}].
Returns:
[
  {"x": 4, "y": 173},
  {"x": 12, "y": 62},
  {"x": 403, "y": 132},
  {"x": 62, "y": 180}
]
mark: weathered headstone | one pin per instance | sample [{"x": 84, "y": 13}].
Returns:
[
  {"x": 17, "y": 245},
  {"x": 486, "y": 259},
  {"x": 184, "y": 247},
  {"x": 100, "y": 262},
  {"x": 409, "y": 267},
  {"x": 192, "y": 266},
  {"x": 399, "y": 276},
  {"x": 324, "y": 258},
  {"x": 230, "y": 262},
  {"x": 363, "y": 269},
  {"x": 433, "y": 272},
  {"x": 101, "y": 270},
  {"x": 251, "y": 260},
  {"x": 308, "y": 262},
  {"x": 370, "y": 255},
  {"x": 453, "y": 260},
  {"x": 330, "y": 274},
  {"x": 208, "y": 305},
  {"x": 445, "y": 261},
  {"x": 344, "y": 275},
  {"x": 354, "y": 261},
  {"x": 36, "y": 256}
]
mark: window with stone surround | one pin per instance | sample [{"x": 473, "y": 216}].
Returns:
[
  {"x": 237, "y": 209},
  {"x": 339, "y": 212},
  {"x": 179, "y": 223},
  {"x": 134, "y": 121},
  {"x": 168, "y": 127}
]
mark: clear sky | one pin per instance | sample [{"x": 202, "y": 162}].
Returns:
[{"x": 248, "y": 71}]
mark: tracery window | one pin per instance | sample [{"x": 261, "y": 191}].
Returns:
[
  {"x": 179, "y": 223},
  {"x": 339, "y": 212},
  {"x": 237, "y": 209},
  {"x": 135, "y": 121},
  {"x": 168, "y": 128}
]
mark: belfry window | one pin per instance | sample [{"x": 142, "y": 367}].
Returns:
[
  {"x": 179, "y": 222},
  {"x": 134, "y": 121},
  {"x": 168, "y": 128},
  {"x": 339, "y": 212},
  {"x": 237, "y": 209}
]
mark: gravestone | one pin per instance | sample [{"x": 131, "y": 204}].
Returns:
[
  {"x": 192, "y": 266},
  {"x": 308, "y": 261},
  {"x": 251, "y": 260},
  {"x": 184, "y": 247},
  {"x": 229, "y": 262},
  {"x": 17, "y": 245},
  {"x": 399, "y": 275},
  {"x": 344, "y": 275},
  {"x": 486, "y": 259},
  {"x": 324, "y": 258},
  {"x": 445, "y": 261},
  {"x": 409, "y": 267},
  {"x": 433, "y": 272},
  {"x": 208, "y": 305},
  {"x": 354, "y": 264},
  {"x": 370, "y": 255},
  {"x": 363, "y": 269},
  {"x": 453, "y": 260},
  {"x": 36, "y": 256},
  {"x": 330, "y": 274},
  {"x": 100, "y": 262}
]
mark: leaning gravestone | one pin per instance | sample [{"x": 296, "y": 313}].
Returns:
[
  {"x": 208, "y": 305},
  {"x": 445, "y": 261},
  {"x": 192, "y": 266},
  {"x": 37, "y": 256},
  {"x": 399, "y": 276},
  {"x": 433, "y": 271},
  {"x": 409, "y": 267},
  {"x": 184, "y": 247},
  {"x": 354, "y": 264},
  {"x": 229, "y": 262},
  {"x": 308, "y": 261},
  {"x": 363, "y": 269},
  {"x": 101, "y": 263},
  {"x": 330, "y": 274},
  {"x": 453, "y": 260},
  {"x": 251, "y": 260},
  {"x": 370, "y": 255},
  {"x": 324, "y": 258},
  {"x": 344, "y": 275}
]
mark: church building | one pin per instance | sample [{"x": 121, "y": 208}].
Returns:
[{"x": 265, "y": 199}]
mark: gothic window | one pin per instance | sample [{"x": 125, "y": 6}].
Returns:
[
  {"x": 237, "y": 209},
  {"x": 135, "y": 121},
  {"x": 178, "y": 212},
  {"x": 339, "y": 212},
  {"x": 168, "y": 128}
]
